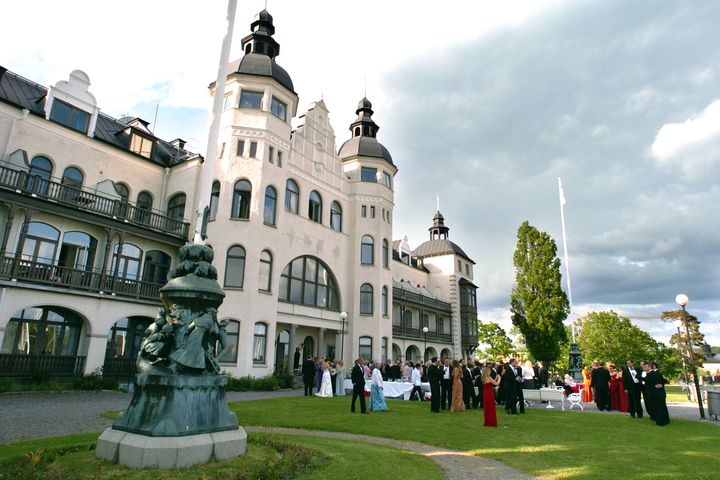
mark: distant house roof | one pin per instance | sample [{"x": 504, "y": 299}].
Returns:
[{"x": 23, "y": 93}]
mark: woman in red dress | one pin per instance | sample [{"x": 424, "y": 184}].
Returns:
[
  {"x": 618, "y": 397},
  {"x": 489, "y": 397},
  {"x": 587, "y": 391}
]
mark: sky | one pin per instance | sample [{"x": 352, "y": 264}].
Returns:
[{"x": 482, "y": 103}]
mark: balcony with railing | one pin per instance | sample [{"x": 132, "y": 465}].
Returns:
[
  {"x": 90, "y": 201},
  {"x": 20, "y": 365},
  {"x": 94, "y": 281},
  {"x": 401, "y": 294},
  {"x": 412, "y": 333}
]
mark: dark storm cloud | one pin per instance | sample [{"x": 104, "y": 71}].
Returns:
[{"x": 582, "y": 93}]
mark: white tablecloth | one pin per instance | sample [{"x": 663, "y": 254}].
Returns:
[{"x": 390, "y": 389}]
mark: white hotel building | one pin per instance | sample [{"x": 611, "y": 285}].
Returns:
[{"x": 93, "y": 209}]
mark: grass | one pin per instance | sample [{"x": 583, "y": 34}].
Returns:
[
  {"x": 675, "y": 393},
  {"x": 269, "y": 457},
  {"x": 552, "y": 444}
]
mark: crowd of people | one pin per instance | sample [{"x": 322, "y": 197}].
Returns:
[{"x": 453, "y": 385}]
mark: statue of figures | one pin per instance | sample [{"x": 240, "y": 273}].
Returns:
[{"x": 195, "y": 344}]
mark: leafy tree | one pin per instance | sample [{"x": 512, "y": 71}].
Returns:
[
  {"x": 537, "y": 302},
  {"x": 679, "y": 340},
  {"x": 607, "y": 336},
  {"x": 497, "y": 341},
  {"x": 669, "y": 360}
]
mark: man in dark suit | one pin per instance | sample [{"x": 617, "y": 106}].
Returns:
[
  {"x": 646, "y": 389},
  {"x": 467, "y": 385},
  {"x": 600, "y": 382},
  {"x": 511, "y": 386},
  {"x": 543, "y": 375},
  {"x": 395, "y": 373},
  {"x": 632, "y": 386},
  {"x": 434, "y": 376},
  {"x": 358, "y": 380},
  {"x": 446, "y": 384},
  {"x": 308, "y": 374},
  {"x": 477, "y": 382}
]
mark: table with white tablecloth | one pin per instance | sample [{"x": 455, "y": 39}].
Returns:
[{"x": 390, "y": 389}]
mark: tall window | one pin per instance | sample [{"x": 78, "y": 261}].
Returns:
[
  {"x": 176, "y": 207},
  {"x": 233, "y": 332},
  {"x": 270, "y": 204},
  {"x": 69, "y": 116},
  {"x": 408, "y": 318},
  {"x": 384, "y": 349},
  {"x": 228, "y": 101},
  {"x": 125, "y": 337},
  {"x": 44, "y": 330},
  {"x": 143, "y": 207},
  {"x": 292, "y": 195},
  {"x": 77, "y": 251},
  {"x": 250, "y": 99},
  {"x": 41, "y": 243},
  {"x": 241, "y": 199},
  {"x": 387, "y": 179},
  {"x": 367, "y": 250},
  {"x": 259, "y": 342},
  {"x": 235, "y": 267},
  {"x": 271, "y": 154},
  {"x": 141, "y": 145},
  {"x": 365, "y": 347},
  {"x": 253, "y": 150},
  {"x": 240, "y": 148},
  {"x": 279, "y": 109},
  {"x": 72, "y": 177},
  {"x": 366, "y": 299},
  {"x": 214, "y": 200},
  {"x": 156, "y": 267},
  {"x": 307, "y": 280},
  {"x": 384, "y": 301},
  {"x": 39, "y": 175},
  {"x": 368, "y": 174},
  {"x": 265, "y": 272},
  {"x": 336, "y": 216},
  {"x": 385, "y": 253},
  {"x": 127, "y": 263},
  {"x": 315, "y": 207}
]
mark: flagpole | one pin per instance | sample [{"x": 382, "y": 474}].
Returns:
[
  {"x": 207, "y": 169},
  {"x": 575, "y": 356}
]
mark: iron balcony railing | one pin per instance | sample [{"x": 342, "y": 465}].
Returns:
[
  {"x": 20, "y": 365},
  {"x": 77, "y": 279},
  {"x": 119, "y": 367},
  {"x": 78, "y": 198},
  {"x": 416, "y": 298},
  {"x": 400, "y": 331}
]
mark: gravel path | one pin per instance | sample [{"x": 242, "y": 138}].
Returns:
[
  {"x": 455, "y": 465},
  {"x": 38, "y": 415}
]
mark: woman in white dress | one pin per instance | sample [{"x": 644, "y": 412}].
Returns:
[
  {"x": 377, "y": 396},
  {"x": 326, "y": 385},
  {"x": 340, "y": 378}
]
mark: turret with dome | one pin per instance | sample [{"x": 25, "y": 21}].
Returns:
[
  {"x": 364, "y": 132},
  {"x": 439, "y": 244}
]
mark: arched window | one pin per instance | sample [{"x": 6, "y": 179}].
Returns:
[
  {"x": 40, "y": 243},
  {"x": 124, "y": 192},
  {"x": 43, "y": 330},
  {"x": 308, "y": 346},
  {"x": 176, "y": 207},
  {"x": 214, "y": 200},
  {"x": 241, "y": 199},
  {"x": 365, "y": 348},
  {"x": 384, "y": 301},
  {"x": 229, "y": 355},
  {"x": 128, "y": 264},
  {"x": 156, "y": 267},
  {"x": 385, "y": 253},
  {"x": 265, "y": 274},
  {"x": 307, "y": 280},
  {"x": 336, "y": 216},
  {"x": 270, "y": 204},
  {"x": 366, "y": 299},
  {"x": 407, "y": 318},
  {"x": 445, "y": 353},
  {"x": 412, "y": 354},
  {"x": 235, "y": 267},
  {"x": 432, "y": 323},
  {"x": 259, "y": 342},
  {"x": 292, "y": 195},
  {"x": 367, "y": 250},
  {"x": 77, "y": 251},
  {"x": 72, "y": 177},
  {"x": 315, "y": 207},
  {"x": 396, "y": 352},
  {"x": 39, "y": 174},
  {"x": 124, "y": 338},
  {"x": 430, "y": 352},
  {"x": 143, "y": 206}
]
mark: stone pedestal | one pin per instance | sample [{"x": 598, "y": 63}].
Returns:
[{"x": 143, "y": 451}]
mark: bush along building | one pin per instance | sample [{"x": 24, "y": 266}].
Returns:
[{"x": 93, "y": 209}]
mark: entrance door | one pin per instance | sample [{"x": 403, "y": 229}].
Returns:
[
  {"x": 308, "y": 346},
  {"x": 281, "y": 352}
]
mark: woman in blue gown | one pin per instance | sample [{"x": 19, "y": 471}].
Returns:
[{"x": 377, "y": 396}]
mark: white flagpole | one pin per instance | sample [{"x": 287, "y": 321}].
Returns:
[
  {"x": 567, "y": 262},
  {"x": 207, "y": 170}
]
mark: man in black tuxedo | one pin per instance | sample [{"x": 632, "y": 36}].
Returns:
[
  {"x": 647, "y": 390},
  {"x": 631, "y": 385},
  {"x": 446, "y": 383},
  {"x": 600, "y": 382},
  {"x": 358, "y": 380},
  {"x": 395, "y": 373},
  {"x": 543, "y": 375},
  {"x": 477, "y": 382},
  {"x": 512, "y": 380},
  {"x": 434, "y": 376},
  {"x": 467, "y": 385},
  {"x": 308, "y": 374}
]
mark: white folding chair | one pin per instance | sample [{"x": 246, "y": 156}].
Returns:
[{"x": 575, "y": 400}]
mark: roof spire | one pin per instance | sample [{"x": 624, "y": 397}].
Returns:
[
  {"x": 438, "y": 229},
  {"x": 364, "y": 126},
  {"x": 260, "y": 40},
  {"x": 438, "y": 201}
]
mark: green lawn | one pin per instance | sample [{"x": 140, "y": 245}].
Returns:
[
  {"x": 675, "y": 393},
  {"x": 549, "y": 443}
]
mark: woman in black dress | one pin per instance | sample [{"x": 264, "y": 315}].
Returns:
[{"x": 657, "y": 385}]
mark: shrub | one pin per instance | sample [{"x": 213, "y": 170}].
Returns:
[
  {"x": 285, "y": 380},
  {"x": 251, "y": 384},
  {"x": 95, "y": 381}
]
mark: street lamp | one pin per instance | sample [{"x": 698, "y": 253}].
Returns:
[
  {"x": 683, "y": 300},
  {"x": 425, "y": 330},
  {"x": 343, "y": 317},
  {"x": 678, "y": 324}
]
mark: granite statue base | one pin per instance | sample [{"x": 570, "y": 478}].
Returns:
[
  {"x": 172, "y": 405},
  {"x": 142, "y": 451}
]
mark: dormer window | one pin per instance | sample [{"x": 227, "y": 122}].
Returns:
[
  {"x": 250, "y": 99},
  {"x": 141, "y": 145},
  {"x": 65, "y": 114},
  {"x": 279, "y": 109}
]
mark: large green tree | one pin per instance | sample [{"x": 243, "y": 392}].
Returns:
[
  {"x": 537, "y": 302},
  {"x": 607, "y": 336},
  {"x": 679, "y": 341},
  {"x": 498, "y": 344}
]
